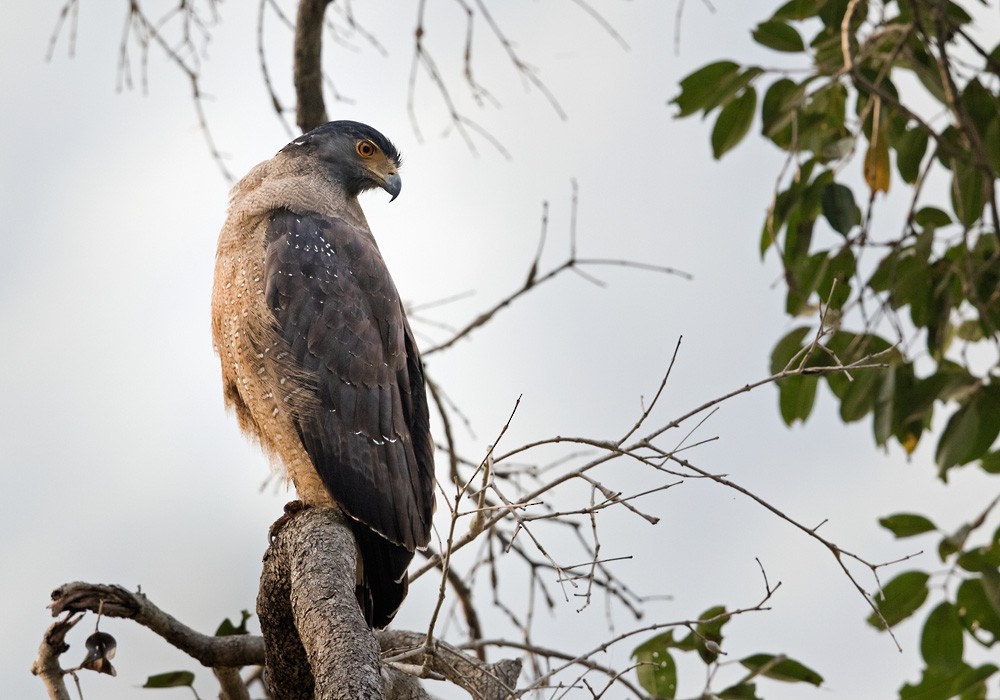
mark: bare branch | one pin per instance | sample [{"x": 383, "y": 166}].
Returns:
[
  {"x": 146, "y": 32},
  {"x": 70, "y": 10},
  {"x": 528, "y": 72},
  {"x": 46, "y": 665},
  {"x": 534, "y": 279},
  {"x": 115, "y": 601},
  {"x": 232, "y": 685},
  {"x": 603, "y": 22},
  {"x": 482, "y": 681},
  {"x": 279, "y": 108}
]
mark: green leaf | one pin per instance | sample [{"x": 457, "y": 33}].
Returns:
[
  {"x": 957, "y": 443},
  {"x": 971, "y": 430},
  {"x": 981, "y": 560},
  {"x": 937, "y": 684},
  {"x": 699, "y": 87},
  {"x": 828, "y": 56},
  {"x": 729, "y": 86},
  {"x": 839, "y": 208},
  {"x": 955, "y": 13},
  {"x": 971, "y": 682},
  {"x": 991, "y": 142},
  {"x": 706, "y": 632},
  {"x": 781, "y": 101},
  {"x": 953, "y": 543},
  {"x": 227, "y": 628},
  {"x": 967, "y": 193},
  {"x": 661, "y": 641},
  {"x": 657, "y": 671},
  {"x": 932, "y": 218},
  {"x": 172, "y": 679},
  {"x": 856, "y": 393},
  {"x": 970, "y": 330},
  {"x": 994, "y": 63},
  {"x": 832, "y": 13},
  {"x": 951, "y": 146},
  {"x": 798, "y": 241},
  {"x": 907, "y": 524},
  {"x": 912, "y": 402},
  {"x": 733, "y": 122},
  {"x": 797, "y": 397},
  {"x": 884, "y": 407},
  {"x": 778, "y": 36},
  {"x": 806, "y": 274},
  {"x": 991, "y": 587},
  {"x": 900, "y": 598},
  {"x": 980, "y": 104},
  {"x": 943, "y": 293},
  {"x": 781, "y": 669},
  {"x": 991, "y": 462},
  {"x": 787, "y": 348},
  {"x": 977, "y": 612},
  {"x": 740, "y": 691},
  {"x": 797, "y": 10},
  {"x": 925, "y": 68},
  {"x": 835, "y": 284},
  {"x": 941, "y": 642},
  {"x": 910, "y": 152},
  {"x": 859, "y": 397}
]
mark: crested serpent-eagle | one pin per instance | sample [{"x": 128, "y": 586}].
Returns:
[{"x": 318, "y": 360}]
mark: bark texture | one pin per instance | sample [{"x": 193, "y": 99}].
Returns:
[
  {"x": 116, "y": 601},
  {"x": 46, "y": 665},
  {"x": 483, "y": 681},
  {"x": 316, "y": 642},
  {"x": 310, "y": 110}
]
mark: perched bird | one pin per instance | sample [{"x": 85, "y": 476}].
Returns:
[{"x": 318, "y": 360}]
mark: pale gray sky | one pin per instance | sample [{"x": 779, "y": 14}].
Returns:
[{"x": 122, "y": 466}]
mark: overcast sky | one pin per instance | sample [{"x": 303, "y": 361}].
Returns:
[{"x": 121, "y": 465}]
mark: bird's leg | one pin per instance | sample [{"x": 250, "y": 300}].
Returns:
[{"x": 292, "y": 508}]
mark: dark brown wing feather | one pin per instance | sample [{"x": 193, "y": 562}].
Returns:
[{"x": 336, "y": 306}]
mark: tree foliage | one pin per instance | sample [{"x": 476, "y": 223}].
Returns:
[{"x": 885, "y": 223}]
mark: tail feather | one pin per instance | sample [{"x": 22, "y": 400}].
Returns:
[{"x": 383, "y": 580}]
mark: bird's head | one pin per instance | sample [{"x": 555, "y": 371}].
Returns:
[{"x": 357, "y": 156}]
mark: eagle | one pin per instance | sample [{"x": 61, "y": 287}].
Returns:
[{"x": 318, "y": 359}]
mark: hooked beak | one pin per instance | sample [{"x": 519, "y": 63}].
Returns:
[{"x": 392, "y": 184}]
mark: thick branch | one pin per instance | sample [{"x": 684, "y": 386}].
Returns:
[
  {"x": 115, "y": 601},
  {"x": 483, "y": 681},
  {"x": 307, "y": 583},
  {"x": 231, "y": 683},
  {"x": 310, "y": 111},
  {"x": 316, "y": 641},
  {"x": 46, "y": 665}
]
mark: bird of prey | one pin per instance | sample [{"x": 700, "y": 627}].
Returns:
[{"x": 318, "y": 360}]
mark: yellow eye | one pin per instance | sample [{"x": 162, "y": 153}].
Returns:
[{"x": 366, "y": 149}]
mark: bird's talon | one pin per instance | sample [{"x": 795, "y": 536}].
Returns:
[{"x": 292, "y": 508}]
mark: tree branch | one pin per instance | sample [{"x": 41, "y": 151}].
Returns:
[
  {"x": 116, "y": 601},
  {"x": 316, "y": 642},
  {"x": 46, "y": 665},
  {"x": 310, "y": 110},
  {"x": 483, "y": 681}
]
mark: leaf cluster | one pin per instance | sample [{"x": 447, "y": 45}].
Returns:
[
  {"x": 871, "y": 98},
  {"x": 968, "y": 610},
  {"x": 657, "y": 670},
  {"x": 929, "y": 285}
]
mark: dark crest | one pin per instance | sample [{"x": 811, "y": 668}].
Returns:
[{"x": 350, "y": 129}]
